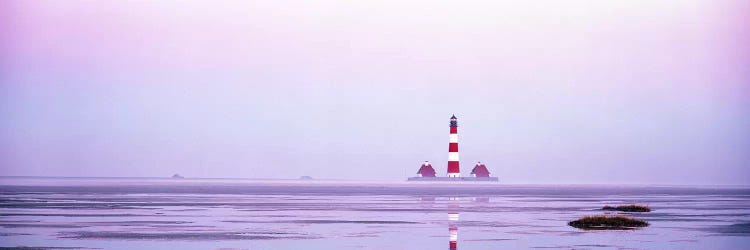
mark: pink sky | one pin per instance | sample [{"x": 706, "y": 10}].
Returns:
[{"x": 545, "y": 91}]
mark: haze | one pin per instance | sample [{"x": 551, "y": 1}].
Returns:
[{"x": 544, "y": 91}]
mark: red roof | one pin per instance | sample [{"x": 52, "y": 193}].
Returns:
[
  {"x": 426, "y": 170},
  {"x": 480, "y": 170}
]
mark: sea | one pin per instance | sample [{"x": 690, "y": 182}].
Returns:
[{"x": 153, "y": 213}]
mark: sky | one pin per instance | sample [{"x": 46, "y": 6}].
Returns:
[{"x": 570, "y": 92}]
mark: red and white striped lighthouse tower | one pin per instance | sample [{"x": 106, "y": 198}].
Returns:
[{"x": 453, "y": 169}]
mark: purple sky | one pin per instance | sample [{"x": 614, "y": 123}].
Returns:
[{"x": 545, "y": 91}]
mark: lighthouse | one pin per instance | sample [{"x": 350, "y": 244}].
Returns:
[
  {"x": 427, "y": 173},
  {"x": 453, "y": 169}
]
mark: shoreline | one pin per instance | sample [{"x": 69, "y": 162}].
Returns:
[{"x": 57, "y": 180}]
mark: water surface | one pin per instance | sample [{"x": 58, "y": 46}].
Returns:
[{"x": 240, "y": 214}]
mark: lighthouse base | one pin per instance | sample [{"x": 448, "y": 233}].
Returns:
[{"x": 455, "y": 179}]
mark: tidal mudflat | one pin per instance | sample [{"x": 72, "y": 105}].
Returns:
[{"x": 81, "y": 213}]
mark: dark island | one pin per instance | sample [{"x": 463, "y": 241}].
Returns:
[
  {"x": 628, "y": 208},
  {"x": 604, "y": 222}
]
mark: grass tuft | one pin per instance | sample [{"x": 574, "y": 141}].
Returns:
[{"x": 605, "y": 222}]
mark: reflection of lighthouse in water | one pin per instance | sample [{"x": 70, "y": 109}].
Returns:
[
  {"x": 453, "y": 206},
  {"x": 453, "y": 230}
]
